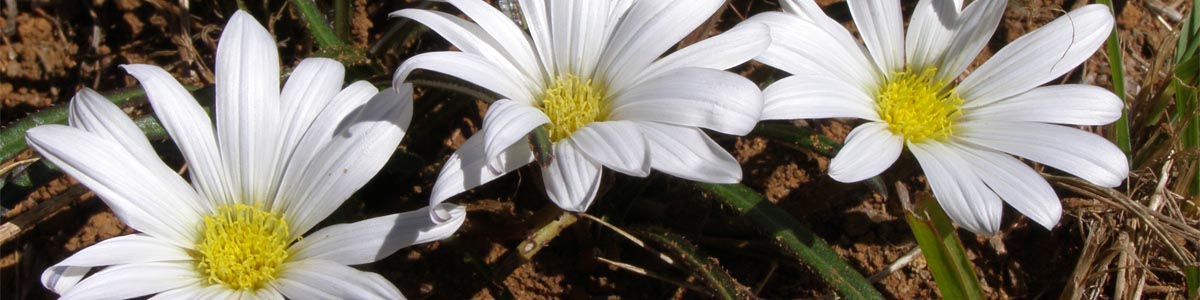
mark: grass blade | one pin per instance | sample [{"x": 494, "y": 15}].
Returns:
[
  {"x": 710, "y": 272},
  {"x": 943, "y": 251},
  {"x": 795, "y": 240},
  {"x": 1192, "y": 276},
  {"x": 1116, "y": 63}
]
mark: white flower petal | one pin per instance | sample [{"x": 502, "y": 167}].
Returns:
[
  {"x": 811, "y": 96},
  {"x": 470, "y": 68},
  {"x": 471, "y": 38},
  {"x": 964, "y": 197},
  {"x": 1074, "y": 104},
  {"x": 374, "y": 239},
  {"x": 690, "y": 154},
  {"x": 134, "y": 280},
  {"x": 882, "y": 28},
  {"x": 333, "y": 279},
  {"x": 930, "y": 33},
  {"x": 513, "y": 42},
  {"x": 537, "y": 21},
  {"x": 94, "y": 113},
  {"x": 870, "y": 149},
  {"x": 190, "y": 128},
  {"x": 248, "y": 109},
  {"x": 723, "y": 51},
  {"x": 161, "y": 207},
  {"x": 802, "y": 47},
  {"x": 647, "y": 30},
  {"x": 974, "y": 28},
  {"x": 468, "y": 168},
  {"x": 1074, "y": 151},
  {"x": 1040, "y": 56},
  {"x": 578, "y": 32},
  {"x": 127, "y": 249},
  {"x": 693, "y": 97},
  {"x": 1016, "y": 184},
  {"x": 193, "y": 291},
  {"x": 352, "y": 140},
  {"x": 618, "y": 145},
  {"x": 309, "y": 89},
  {"x": 571, "y": 179},
  {"x": 506, "y": 123}
]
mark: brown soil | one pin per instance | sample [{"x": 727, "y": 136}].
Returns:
[{"x": 56, "y": 48}]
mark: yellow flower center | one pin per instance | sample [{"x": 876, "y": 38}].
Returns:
[
  {"x": 572, "y": 103},
  {"x": 919, "y": 108},
  {"x": 242, "y": 246}
]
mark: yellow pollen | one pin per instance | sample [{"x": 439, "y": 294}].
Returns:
[
  {"x": 572, "y": 103},
  {"x": 917, "y": 107},
  {"x": 242, "y": 246}
]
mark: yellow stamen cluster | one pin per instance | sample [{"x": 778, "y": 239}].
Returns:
[
  {"x": 919, "y": 108},
  {"x": 242, "y": 246},
  {"x": 572, "y": 103}
]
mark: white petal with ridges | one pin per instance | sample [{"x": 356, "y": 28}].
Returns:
[
  {"x": 134, "y": 280},
  {"x": 373, "y": 239},
  {"x": 92, "y": 112},
  {"x": 309, "y": 89},
  {"x": 690, "y": 154},
  {"x": 248, "y": 108},
  {"x": 1074, "y": 151},
  {"x": 618, "y": 145},
  {"x": 470, "y": 68},
  {"x": 646, "y": 32},
  {"x": 190, "y": 128},
  {"x": 1040, "y": 56},
  {"x": 723, "y": 51},
  {"x": 811, "y": 96},
  {"x": 352, "y": 140},
  {"x": 471, "y": 38},
  {"x": 334, "y": 279},
  {"x": 693, "y": 97},
  {"x": 512, "y": 40},
  {"x": 958, "y": 188},
  {"x": 930, "y": 33},
  {"x": 1016, "y": 184},
  {"x": 508, "y": 122},
  {"x": 974, "y": 28},
  {"x": 882, "y": 28},
  {"x": 571, "y": 179},
  {"x": 165, "y": 208},
  {"x": 870, "y": 149},
  {"x": 1074, "y": 104},
  {"x": 127, "y": 249},
  {"x": 802, "y": 47}
]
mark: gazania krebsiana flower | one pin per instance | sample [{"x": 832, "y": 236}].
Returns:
[
  {"x": 961, "y": 132},
  {"x": 591, "y": 72},
  {"x": 278, "y": 163}
]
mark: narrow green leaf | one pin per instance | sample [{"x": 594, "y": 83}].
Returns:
[
  {"x": 710, "y": 272},
  {"x": 1117, "y": 69},
  {"x": 1192, "y": 276},
  {"x": 795, "y": 240},
  {"x": 943, "y": 251}
]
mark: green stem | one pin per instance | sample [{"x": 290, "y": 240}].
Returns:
[
  {"x": 551, "y": 221},
  {"x": 316, "y": 24},
  {"x": 341, "y": 19},
  {"x": 795, "y": 240}
]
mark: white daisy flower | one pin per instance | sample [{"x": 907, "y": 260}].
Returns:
[
  {"x": 591, "y": 72},
  {"x": 961, "y": 132},
  {"x": 277, "y": 164}
]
